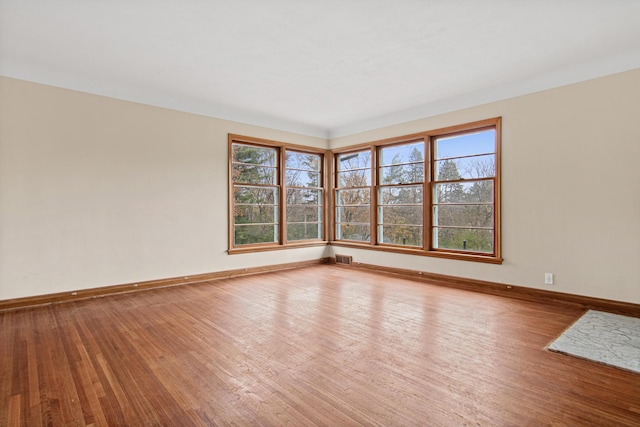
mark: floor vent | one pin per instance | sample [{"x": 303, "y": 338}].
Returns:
[{"x": 344, "y": 259}]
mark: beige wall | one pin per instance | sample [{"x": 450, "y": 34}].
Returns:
[
  {"x": 570, "y": 189},
  {"x": 96, "y": 191}
]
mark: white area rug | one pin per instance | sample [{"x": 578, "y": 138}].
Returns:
[{"x": 606, "y": 338}]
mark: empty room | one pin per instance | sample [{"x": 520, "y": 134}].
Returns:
[{"x": 409, "y": 213}]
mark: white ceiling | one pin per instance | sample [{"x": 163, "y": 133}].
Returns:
[{"x": 318, "y": 67}]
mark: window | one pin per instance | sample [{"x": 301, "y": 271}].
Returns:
[
  {"x": 400, "y": 194},
  {"x": 464, "y": 172},
  {"x": 304, "y": 195},
  {"x": 353, "y": 196},
  {"x": 255, "y": 175},
  {"x": 434, "y": 193},
  {"x": 276, "y": 195}
]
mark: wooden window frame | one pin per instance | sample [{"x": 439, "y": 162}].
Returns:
[
  {"x": 426, "y": 250},
  {"x": 281, "y": 150}
]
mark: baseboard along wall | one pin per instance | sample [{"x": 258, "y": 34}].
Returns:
[
  {"x": 507, "y": 290},
  {"x": 17, "y": 303},
  {"x": 493, "y": 288}
]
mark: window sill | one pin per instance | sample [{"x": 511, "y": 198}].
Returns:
[
  {"x": 276, "y": 247},
  {"x": 489, "y": 259},
  {"x": 396, "y": 249}
]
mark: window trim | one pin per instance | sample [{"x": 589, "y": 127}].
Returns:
[
  {"x": 281, "y": 149},
  {"x": 428, "y": 183}
]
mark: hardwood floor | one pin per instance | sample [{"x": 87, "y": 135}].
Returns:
[{"x": 322, "y": 345}]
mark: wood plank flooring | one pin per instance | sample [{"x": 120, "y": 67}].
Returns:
[{"x": 323, "y": 345}]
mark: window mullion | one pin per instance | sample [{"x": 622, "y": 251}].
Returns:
[
  {"x": 282, "y": 237},
  {"x": 428, "y": 194},
  {"x": 375, "y": 176}
]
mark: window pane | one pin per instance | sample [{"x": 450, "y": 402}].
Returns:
[
  {"x": 349, "y": 214},
  {"x": 398, "y": 154},
  {"x": 350, "y": 161},
  {"x": 304, "y": 212},
  {"x": 309, "y": 213},
  {"x": 359, "y": 232},
  {"x": 254, "y": 155},
  {"x": 353, "y": 197},
  {"x": 299, "y": 178},
  {"x": 255, "y": 214},
  {"x": 400, "y": 195},
  {"x": 463, "y": 215},
  {"x": 251, "y": 174},
  {"x": 463, "y": 239},
  {"x": 304, "y": 231},
  {"x": 397, "y": 215},
  {"x": 255, "y": 195},
  {"x": 297, "y": 196},
  {"x": 400, "y": 235},
  {"x": 402, "y": 174},
  {"x": 466, "y": 168},
  {"x": 466, "y": 144},
  {"x": 464, "y": 192},
  {"x": 303, "y": 161},
  {"x": 354, "y": 178},
  {"x": 255, "y": 233}
]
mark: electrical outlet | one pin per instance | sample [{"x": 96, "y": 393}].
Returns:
[{"x": 548, "y": 278}]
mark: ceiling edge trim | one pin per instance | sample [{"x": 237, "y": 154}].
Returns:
[
  {"x": 585, "y": 71},
  {"x": 167, "y": 101},
  {"x": 557, "y": 78}
]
